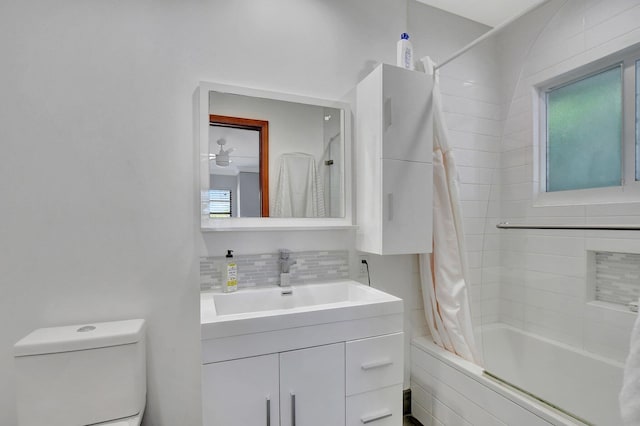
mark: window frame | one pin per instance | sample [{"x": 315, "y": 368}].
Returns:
[
  {"x": 221, "y": 214},
  {"x": 629, "y": 190}
]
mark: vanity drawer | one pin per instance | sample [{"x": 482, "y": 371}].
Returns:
[
  {"x": 374, "y": 363},
  {"x": 382, "y": 407}
]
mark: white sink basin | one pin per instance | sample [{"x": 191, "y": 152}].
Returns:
[
  {"x": 267, "y": 309},
  {"x": 274, "y": 298}
]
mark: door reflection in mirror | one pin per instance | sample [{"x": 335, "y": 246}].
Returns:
[{"x": 238, "y": 158}]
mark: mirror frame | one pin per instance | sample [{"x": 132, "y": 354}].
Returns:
[{"x": 266, "y": 223}]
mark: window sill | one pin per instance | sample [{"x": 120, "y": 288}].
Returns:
[
  {"x": 613, "y": 195},
  {"x": 274, "y": 224}
]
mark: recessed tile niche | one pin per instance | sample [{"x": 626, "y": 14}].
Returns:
[{"x": 615, "y": 277}]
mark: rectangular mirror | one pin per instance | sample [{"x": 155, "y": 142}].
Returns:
[{"x": 272, "y": 159}]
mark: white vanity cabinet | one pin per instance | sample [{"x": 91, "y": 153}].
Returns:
[
  {"x": 348, "y": 383},
  {"x": 325, "y": 364},
  {"x": 394, "y": 161},
  {"x": 241, "y": 392},
  {"x": 303, "y": 387},
  {"x": 374, "y": 369}
]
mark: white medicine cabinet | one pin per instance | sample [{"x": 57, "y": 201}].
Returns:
[
  {"x": 272, "y": 160},
  {"x": 394, "y": 154}
]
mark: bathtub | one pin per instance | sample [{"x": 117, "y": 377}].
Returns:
[{"x": 448, "y": 390}]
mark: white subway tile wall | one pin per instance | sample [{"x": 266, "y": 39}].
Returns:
[
  {"x": 263, "y": 269},
  {"x": 532, "y": 279},
  {"x": 474, "y": 115},
  {"x": 617, "y": 277},
  {"x": 543, "y": 283}
]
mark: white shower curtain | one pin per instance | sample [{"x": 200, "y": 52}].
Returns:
[
  {"x": 443, "y": 273},
  {"x": 297, "y": 190}
]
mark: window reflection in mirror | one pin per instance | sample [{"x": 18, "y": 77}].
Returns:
[{"x": 295, "y": 169}]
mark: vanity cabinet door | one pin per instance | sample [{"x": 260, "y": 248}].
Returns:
[
  {"x": 312, "y": 387},
  {"x": 241, "y": 392}
]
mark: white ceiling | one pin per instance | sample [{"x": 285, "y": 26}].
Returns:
[{"x": 488, "y": 12}]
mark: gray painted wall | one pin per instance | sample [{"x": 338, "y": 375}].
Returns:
[{"x": 249, "y": 194}]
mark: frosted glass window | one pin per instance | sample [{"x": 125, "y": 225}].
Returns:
[
  {"x": 638, "y": 120},
  {"x": 584, "y": 133}
]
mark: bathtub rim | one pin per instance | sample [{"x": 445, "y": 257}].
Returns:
[
  {"x": 475, "y": 372},
  {"x": 600, "y": 358}
]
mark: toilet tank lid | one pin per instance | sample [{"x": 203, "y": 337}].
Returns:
[{"x": 80, "y": 337}]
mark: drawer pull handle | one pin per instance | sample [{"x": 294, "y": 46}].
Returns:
[
  {"x": 293, "y": 409},
  {"x": 268, "y": 411},
  {"x": 376, "y": 364},
  {"x": 388, "y": 114},
  {"x": 376, "y": 417}
]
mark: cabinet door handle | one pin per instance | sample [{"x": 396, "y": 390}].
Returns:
[
  {"x": 293, "y": 409},
  {"x": 388, "y": 114},
  {"x": 268, "y": 411},
  {"x": 376, "y": 364},
  {"x": 376, "y": 417},
  {"x": 390, "y": 206}
]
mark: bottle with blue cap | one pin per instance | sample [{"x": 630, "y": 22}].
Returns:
[{"x": 405, "y": 52}]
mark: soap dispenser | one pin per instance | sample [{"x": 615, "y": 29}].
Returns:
[{"x": 229, "y": 273}]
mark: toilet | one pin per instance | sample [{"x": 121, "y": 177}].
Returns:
[{"x": 89, "y": 374}]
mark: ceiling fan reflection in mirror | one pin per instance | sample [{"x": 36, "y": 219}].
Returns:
[{"x": 222, "y": 157}]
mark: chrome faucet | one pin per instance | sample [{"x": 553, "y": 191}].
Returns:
[{"x": 285, "y": 262}]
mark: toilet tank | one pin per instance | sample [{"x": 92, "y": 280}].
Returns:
[{"x": 81, "y": 374}]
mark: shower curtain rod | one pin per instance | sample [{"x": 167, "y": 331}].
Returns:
[
  {"x": 507, "y": 225},
  {"x": 488, "y": 34}
]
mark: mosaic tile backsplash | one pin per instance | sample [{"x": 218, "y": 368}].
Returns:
[
  {"x": 263, "y": 269},
  {"x": 617, "y": 277}
]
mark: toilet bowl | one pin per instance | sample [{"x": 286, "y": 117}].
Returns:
[{"x": 89, "y": 374}]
